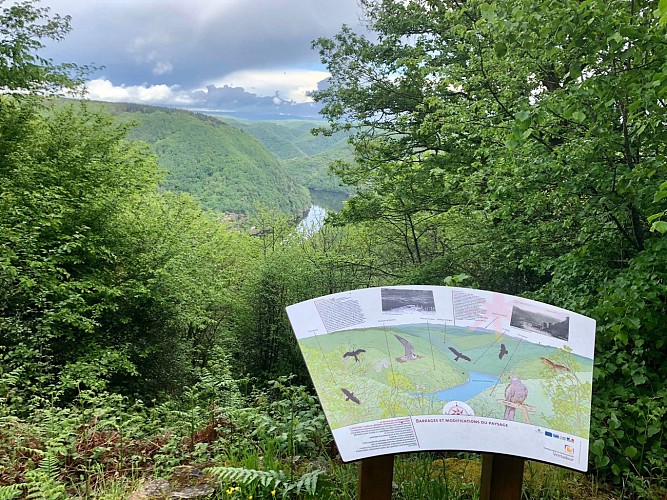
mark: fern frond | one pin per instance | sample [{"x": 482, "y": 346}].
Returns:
[
  {"x": 307, "y": 482},
  {"x": 43, "y": 483},
  {"x": 49, "y": 466},
  {"x": 268, "y": 478},
  {"x": 10, "y": 492},
  {"x": 41, "y": 487}
]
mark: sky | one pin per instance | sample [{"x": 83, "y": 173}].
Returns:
[{"x": 251, "y": 57}]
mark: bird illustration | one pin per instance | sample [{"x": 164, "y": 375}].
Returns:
[
  {"x": 354, "y": 353},
  {"x": 503, "y": 351},
  {"x": 459, "y": 355},
  {"x": 515, "y": 392},
  {"x": 349, "y": 396},
  {"x": 409, "y": 351},
  {"x": 554, "y": 366}
]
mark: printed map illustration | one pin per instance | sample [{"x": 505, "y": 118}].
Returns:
[
  {"x": 412, "y": 368},
  {"x": 388, "y": 387}
]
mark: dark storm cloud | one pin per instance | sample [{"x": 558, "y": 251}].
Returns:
[{"x": 193, "y": 43}]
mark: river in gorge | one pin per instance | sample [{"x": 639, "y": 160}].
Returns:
[{"x": 323, "y": 202}]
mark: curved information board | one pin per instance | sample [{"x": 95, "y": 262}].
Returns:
[{"x": 415, "y": 368}]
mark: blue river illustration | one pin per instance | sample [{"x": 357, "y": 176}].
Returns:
[{"x": 478, "y": 382}]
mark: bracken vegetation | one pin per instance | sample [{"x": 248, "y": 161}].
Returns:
[{"x": 513, "y": 146}]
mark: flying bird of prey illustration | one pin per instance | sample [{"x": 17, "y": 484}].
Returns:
[
  {"x": 515, "y": 392},
  {"x": 503, "y": 351},
  {"x": 354, "y": 353},
  {"x": 554, "y": 366},
  {"x": 349, "y": 396},
  {"x": 459, "y": 355},
  {"x": 409, "y": 351}
]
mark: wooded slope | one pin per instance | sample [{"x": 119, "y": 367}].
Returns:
[{"x": 225, "y": 168}]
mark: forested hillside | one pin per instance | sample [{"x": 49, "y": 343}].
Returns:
[
  {"x": 306, "y": 156},
  {"x": 516, "y": 146},
  {"x": 224, "y": 168}
]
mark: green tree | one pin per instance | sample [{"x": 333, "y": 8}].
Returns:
[
  {"x": 62, "y": 176},
  {"x": 108, "y": 283},
  {"x": 569, "y": 396},
  {"x": 461, "y": 105},
  {"x": 23, "y": 26}
]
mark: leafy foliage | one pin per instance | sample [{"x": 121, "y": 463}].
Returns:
[
  {"x": 657, "y": 224},
  {"x": 107, "y": 283},
  {"x": 10, "y": 492},
  {"x": 43, "y": 481}
]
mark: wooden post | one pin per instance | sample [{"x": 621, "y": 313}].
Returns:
[
  {"x": 375, "y": 478},
  {"x": 502, "y": 477}
]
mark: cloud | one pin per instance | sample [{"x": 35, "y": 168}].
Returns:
[
  {"x": 104, "y": 90},
  {"x": 224, "y": 99},
  {"x": 193, "y": 43},
  {"x": 237, "y": 100},
  {"x": 292, "y": 84},
  {"x": 209, "y": 54},
  {"x": 162, "y": 68}
]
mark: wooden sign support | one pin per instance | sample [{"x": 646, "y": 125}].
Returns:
[
  {"x": 502, "y": 477},
  {"x": 375, "y": 478}
]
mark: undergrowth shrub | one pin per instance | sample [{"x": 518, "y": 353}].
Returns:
[
  {"x": 272, "y": 442},
  {"x": 83, "y": 445},
  {"x": 629, "y": 416},
  {"x": 287, "y": 418}
]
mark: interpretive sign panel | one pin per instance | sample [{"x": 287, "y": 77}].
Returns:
[{"x": 414, "y": 368}]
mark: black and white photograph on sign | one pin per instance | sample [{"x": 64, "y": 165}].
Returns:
[
  {"x": 538, "y": 320},
  {"x": 401, "y": 301}
]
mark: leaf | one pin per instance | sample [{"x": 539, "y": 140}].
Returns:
[
  {"x": 500, "y": 48},
  {"x": 575, "y": 70},
  {"x": 652, "y": 430},
  {"x": 639, "y": 378},
  {"x": 616, "y": 37},
  {"x": 662, "y": 11},
  {"x": 660, "y": 226},
  {"x": 631, "y": 451},
  {"x": 660, "y": 195},
  {"x": 579, "y": 116},
  {"x": 488, "y": 11}
]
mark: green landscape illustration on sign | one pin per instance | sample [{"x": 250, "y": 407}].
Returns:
[
  {"x": 418, "y": 367},
  {"x": 407, "y": 370}
]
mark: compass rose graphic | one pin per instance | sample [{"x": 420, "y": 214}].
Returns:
[{"x": 457, "y": 408}]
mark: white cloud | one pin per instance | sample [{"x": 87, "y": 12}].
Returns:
[
  {"x": 162, "y": 67},
  {"x": 104, "y": 90},
  {"x": 290, "y": 83}
]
